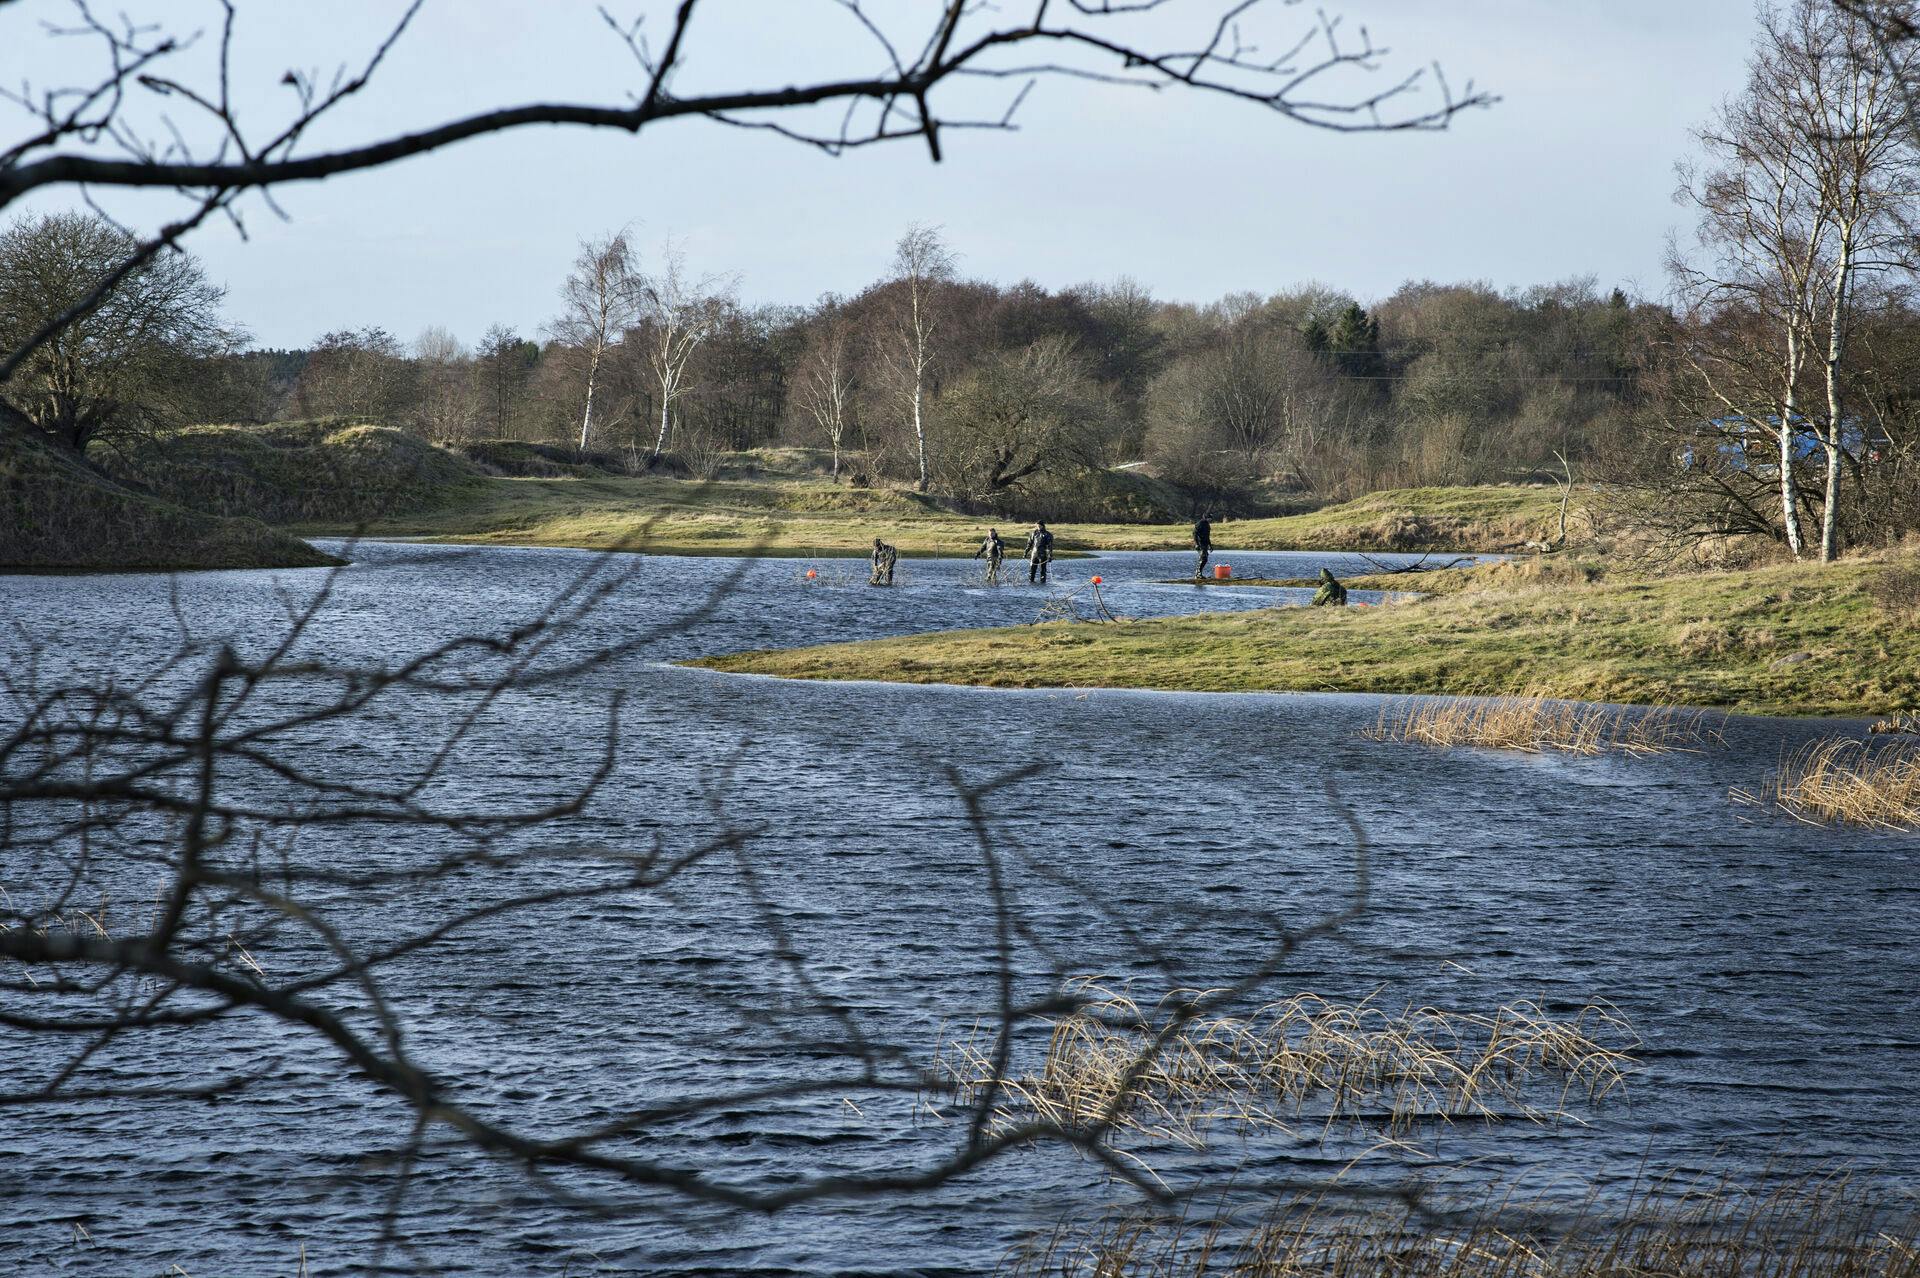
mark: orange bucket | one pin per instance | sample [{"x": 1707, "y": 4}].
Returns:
[{"x": 1222, "y": 571}]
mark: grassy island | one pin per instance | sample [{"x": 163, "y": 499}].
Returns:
[{"x": 1794, "y": 639}]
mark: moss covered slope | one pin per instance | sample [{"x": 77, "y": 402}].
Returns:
[
  {"x": 334, "y": 472},
  {"x": 58, "y": 514}
]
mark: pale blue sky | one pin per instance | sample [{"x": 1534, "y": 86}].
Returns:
[{"x": 1570, "y": 174}]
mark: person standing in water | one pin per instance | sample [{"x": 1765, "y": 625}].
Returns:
[
  {"x": 883, "y": 558},
  {"x": 1202, "y": 545},
  {"x": 995, "y": 550},
  {"x": 1039, "y": 553}
]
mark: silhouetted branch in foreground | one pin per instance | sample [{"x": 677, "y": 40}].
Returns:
[
  {"x": 290, "y": 882},
  {"x": 164, "y": 108}
]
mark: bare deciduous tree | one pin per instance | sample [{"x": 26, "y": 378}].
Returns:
[
  {"x": 117, "y": 368},
  {"x": 504, "y": 363},
  {"x": 825, "y": 389},
  {"x": 679, "y": 312},
  {"x": 1020, "y": 414},
  {"x": 922, "y": 265},
  {"x": 357, "y": 374},
  {"x": 1808, "y": 177},
  {"x": 602, "y": 301},
  {"x": 446, "y": 410}
]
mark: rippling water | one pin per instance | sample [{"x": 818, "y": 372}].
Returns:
[{"x": 1772, "y": 968}]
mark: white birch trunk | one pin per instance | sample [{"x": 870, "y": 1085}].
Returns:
[
  {"x": 660, "y": 440},
  {"x": 586, "y": 418},
  {"x": 1789, "y": 487},
  {"x": 919, "y": 432},
  {"x": 1831, "y": 437}
]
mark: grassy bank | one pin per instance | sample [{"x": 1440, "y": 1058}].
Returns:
[
  {"x": 339, "y": 476},
  {"x": 1797, "y": 639},
  {"x": 808, "y": 516},
  {"x": 58, "y": 514},
  {"x": 329, "y": 473}
]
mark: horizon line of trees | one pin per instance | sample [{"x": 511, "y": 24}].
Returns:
[{"x": 972, "y": 389}]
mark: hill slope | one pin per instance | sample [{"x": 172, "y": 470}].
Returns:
[
  {"x": 320, "y": 472},
  {"x": 58, "y": 514}
]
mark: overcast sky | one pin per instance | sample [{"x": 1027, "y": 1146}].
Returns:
[{"x": 1570, "y": 174}]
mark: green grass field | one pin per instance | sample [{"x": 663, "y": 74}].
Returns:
[
  {"x": 339, "y": 477},
  {"x": 800, "y": 516},
  {"x": 1797, "y": 639}
]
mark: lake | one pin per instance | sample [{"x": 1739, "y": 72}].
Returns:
[{"x": 1771, "y": 968}]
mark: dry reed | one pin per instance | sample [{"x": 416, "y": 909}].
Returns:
[
  {"x": 1300, "y": 1061},
  {"x": 1902, "y": 721},
  {"x": 1533, "y": 723},
  {"x": 1809, "y": 1228},
  {"x": 1842, "y": 781}
]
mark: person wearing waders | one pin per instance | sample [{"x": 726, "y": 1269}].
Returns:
[
  {"x": 1330, "y": 592},
  {"x": 1203, "y": 546},
  {"x": 995, "y": 550},
  {"x": 883, "y": 557},
  {"x": 1039, "y": 553}
]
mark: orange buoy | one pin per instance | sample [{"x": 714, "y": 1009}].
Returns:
[
  {"x": 1096, "y": 581},
  {"x": 811, "y": 574},
  {"x": 1222, "y": 571}
]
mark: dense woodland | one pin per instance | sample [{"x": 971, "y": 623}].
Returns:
[{"x": 1025, "y": 388}]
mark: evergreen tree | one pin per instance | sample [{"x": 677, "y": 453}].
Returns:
[{"x": 1354, "y": 342}]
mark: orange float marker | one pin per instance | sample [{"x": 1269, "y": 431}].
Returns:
[
  {"x": 1096, "y": 581},
  {"x": 1222, "y": 571},
  {"x": 811, "y": 574}
]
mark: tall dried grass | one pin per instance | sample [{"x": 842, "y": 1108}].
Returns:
[
  {"x": 1843, "y": 781},
  {"x": 1532, "y": 723},
  {"x": 1900, "y": 721},
  {"x": 1303, "y": 1061},
  {"x": 1809, "y": 1228}
]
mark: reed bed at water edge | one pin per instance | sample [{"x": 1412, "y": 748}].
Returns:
[
  {"x": 1532, "y": 723},
  {"x": 1810, "y": 1228},
  {"x": 1299, "y": 1063},
  {"x": 1842, "y": 781},
  {"x": 1900, "y": 721}
]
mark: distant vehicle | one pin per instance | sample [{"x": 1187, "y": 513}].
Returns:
[{"x": 1750, "y": 444}]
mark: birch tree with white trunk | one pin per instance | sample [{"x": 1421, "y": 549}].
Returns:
[
  {"x": 826, "y": 384},
  {"x": 922, "y": 266},
  {"x": 602, "y": 303},
  {"x": 1758, "y": 248},
  {"x": 680, "y": 312},
  {"x": 1808, "y": 188},
  {"x": 1863, "y": 163}
]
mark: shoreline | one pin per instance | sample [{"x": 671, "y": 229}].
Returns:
[
  {"x": 1851, "y": 722},
  {"x": 1794, "y": 640}
]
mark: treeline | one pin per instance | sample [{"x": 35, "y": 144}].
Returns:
[{"x": 981, "y": 392}]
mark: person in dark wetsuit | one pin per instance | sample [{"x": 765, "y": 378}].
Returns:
[
  {"x": 995, "y": 550},
  {"x": 883, "y": 558},
  {"x": 1202, "y": 545},
  {"x": 1039, "y": 553},
  {"x": 1330, "y": 592}
]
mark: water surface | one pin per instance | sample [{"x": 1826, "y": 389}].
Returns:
[{"x": 1770, "y": 967}]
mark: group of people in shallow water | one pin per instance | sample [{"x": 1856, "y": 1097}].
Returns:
[{"x": 1039, "y": 553}]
